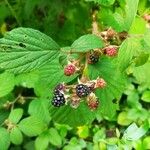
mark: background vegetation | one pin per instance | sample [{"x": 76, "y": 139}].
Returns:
[{"x": 28, "y": 121}]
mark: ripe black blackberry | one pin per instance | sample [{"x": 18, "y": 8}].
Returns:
[
  {"x": 82, "y": 90},
  {"x": 58, "y": 100},
  {"x": 93, "y": 58}
]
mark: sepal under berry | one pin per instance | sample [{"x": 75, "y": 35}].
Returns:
[
  {"x": 92, "y": 101},
  {"x": 74, "y": 101}
]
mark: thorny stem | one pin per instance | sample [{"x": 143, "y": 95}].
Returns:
[{"x": 13, "y": 12}]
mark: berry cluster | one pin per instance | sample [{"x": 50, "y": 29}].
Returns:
[
  {"x": 77, "y": 93},
  {"x": 85, "y": 88}
]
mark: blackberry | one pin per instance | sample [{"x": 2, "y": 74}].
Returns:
[
  {"x": 82, "y": 90},
  {"x": 58, "y": 100},
  {"x": 60, "y": 87},
  {"x": 93, "y": 58}
]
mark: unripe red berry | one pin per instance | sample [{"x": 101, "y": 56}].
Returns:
[
  {"x": 69, "y": 69},
  {"x": 100, "y": 83},
  {"x": 111, "y": 51}
]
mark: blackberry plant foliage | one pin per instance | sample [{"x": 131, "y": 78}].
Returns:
[{"x": 96, "y": 62}]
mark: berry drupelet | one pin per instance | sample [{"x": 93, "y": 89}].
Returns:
[
  {"x": 82, "y": 90},
  {"x": 58, "y": 100}
]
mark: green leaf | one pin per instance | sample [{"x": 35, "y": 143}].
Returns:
[
  {"x": 28, "y": 80},
  {"x": 129, "y": 48},
  {"x": 83, "y": 132},
  {"x": 141, "y": 59},
  {"x": 42, "y": 141},
  {"x": 138, "y": 26},
  {"x": 86, "y": 43},
  {"x": 103, "y": 2},
  {"x": 7, "y": 83},
  {"x": 54, "y": 137},
  {"x": 146, "y": 142},
  {"x": 145, "y": 41},
  {"x": 146, "y": 96},
  {"x": 71, "y": 116},
  {"x": 115, "y": 80},
  {"x": 142, "y": 6},
  {"x": 138, "y": 114},
  {"x": 25, "y": 49},
  {"x": 32, "y": 126},
  {"x": 16, "y": 136},
  {"x": 75, "y": 144},
  {"x": 131, "y": 10},
  {"x": 123, "y": 119},
  {"x": 49, "y": 76},
  {"x": 141, "y": 74},
  {"x": 29, "y": 145},
  {"x": 121, "y": 19},
  {"x": 112, "y": 147},
  {"x": 3, "y": 115},
  {"x": 115, "y": 20},
  {"x": 99, "y": 135},
  {"x": 133, "y": 133},
  {"x": 15, "y": 115},
  {"x": 40, "y": 109},
  {"x": 4, "y": 139}
]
